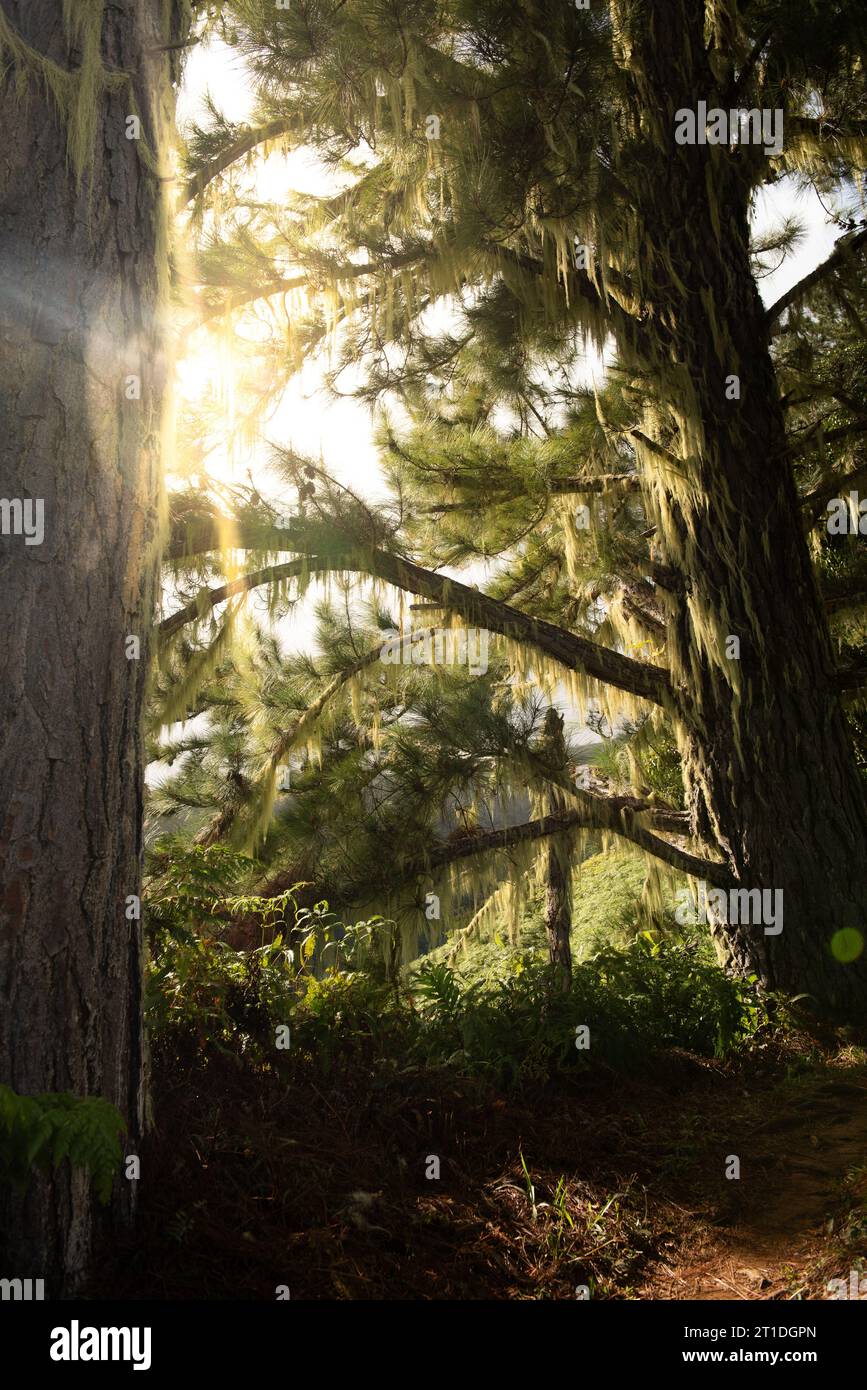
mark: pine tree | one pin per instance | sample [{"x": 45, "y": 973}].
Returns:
[
  {"x": 82, "y": 371},
  {"x": 407, "y": 795},
  {"x": 524, "y": 160}
]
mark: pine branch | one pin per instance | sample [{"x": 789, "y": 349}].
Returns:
[
  {"x": 286, "y": 741},
  {"x": 838, "y": 603},
  {"x": 655, "y": 447},
  {"x": 631, "y": 603},
  {"x": 575, "y": 653},
  {"x": 845, "y": 248},
  {"x": 209, "y": 598},
  {"x": 815, "y": 502},
  {"x": 609, "y": 812},
  {"x": 800, "y": 446},
  {"x": 599, "y": 816},
  {"x": 818, "y": 125},
  {"x": 559, "y": 487},
  {"x": 257, "y": 135},
  {"x": 240, "y": 298},
  {"x": 627, "y": 327}
]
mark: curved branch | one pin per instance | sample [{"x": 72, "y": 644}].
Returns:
[
  {"x": 223, "y": 821},
  {"x": 617, "y": 814},
  {"x": 509, "y": 837},
  {"x": 839, "y": 603},
  {"x": 257, "y": 135},
  {"x": 281, "y": 285},
  {"x": 817, "y": 125},
  {"x": 286, "y": 742},
  {"x": 239, "y": 298},
  {"x": 575, "y": 653},
  {"x": 598, "y": 817},
  {"x": 209, "y": 598},
  {"x": 558, "y": 487},
  {"x": 800, "y": 446},
  {"x": 815, "y": 502},
  {"x": 846, "y": 247}
]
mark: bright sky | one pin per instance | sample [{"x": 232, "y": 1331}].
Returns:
[{"x": 338, "y": 431}]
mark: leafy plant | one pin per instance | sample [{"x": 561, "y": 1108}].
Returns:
[
  {"x": 440, "y": 989},
  {"x": 189, "y": 887},
  {"x": 205, "y": 987},
  {"x": 41, "y": 1131}
]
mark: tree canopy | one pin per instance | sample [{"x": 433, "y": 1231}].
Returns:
[{"x": 503, "y": 204}]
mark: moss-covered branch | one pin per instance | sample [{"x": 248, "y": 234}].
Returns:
[
  {"x": 846, "y": 248},
  {"x": 575, "y": 653},
  {"x": 250, "y": 140},
  {"x": 556, "y": 487}
]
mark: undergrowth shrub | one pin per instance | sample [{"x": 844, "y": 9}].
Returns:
[
  {"x": 204, "y": 989},
  {"x": 204, "y": 992},
  {"x": 636, "y": 1002}
]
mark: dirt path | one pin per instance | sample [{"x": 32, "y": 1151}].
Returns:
[{"x": 776, "y": 1215}]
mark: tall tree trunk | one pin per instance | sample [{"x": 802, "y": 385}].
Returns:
[
  {"x": 558, "y": 916},
  {"x": 768, "y": 758},
  {"x": 81, "y": 279},
  {"x": 558, "y": 910}
]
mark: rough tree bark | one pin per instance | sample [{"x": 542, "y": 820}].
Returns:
[
  {"x": 80, "y": 278},
  {"x": 769, "y": 764},
  {"x": 558, "y": 912}
]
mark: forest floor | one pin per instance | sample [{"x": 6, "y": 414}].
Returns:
[
  {"x": 617, "y": 1184},
  {"x": 774, "y": 1238}
]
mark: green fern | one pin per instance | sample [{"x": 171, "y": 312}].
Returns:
[
  {"x": 438, "y": 986},
  {"x": 41, "y": 1131}
]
